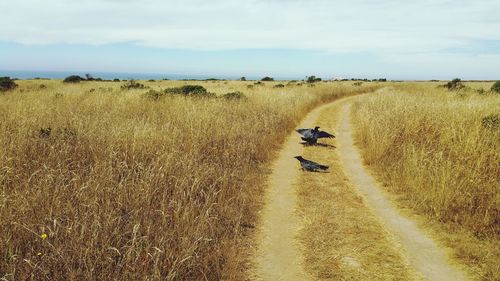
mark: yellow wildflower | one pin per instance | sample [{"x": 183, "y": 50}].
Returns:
[{"x": 44, "y": 236}]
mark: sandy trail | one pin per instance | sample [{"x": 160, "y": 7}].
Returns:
[
  {"x": 278, "y": 256},
  {"x": 422, "y": 252}
]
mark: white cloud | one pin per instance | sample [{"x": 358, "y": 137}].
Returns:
[
  {"x": 378, "y": 26},
  {"x": 446, "y": 66}
]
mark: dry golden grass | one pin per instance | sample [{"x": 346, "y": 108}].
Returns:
[
  {"x": 341, "y": 238},
  {"x": 127, "y": 188},
  {"x": 429, "y": 146}
]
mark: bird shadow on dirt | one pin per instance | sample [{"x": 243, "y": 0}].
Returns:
[
  {"x": 321, "y": 172},
  {"x": 305, "y": 144}
]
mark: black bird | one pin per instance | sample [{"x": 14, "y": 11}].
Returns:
[
  {"x": 311, "y": 136},
  {"x": 309, "y": 165}
]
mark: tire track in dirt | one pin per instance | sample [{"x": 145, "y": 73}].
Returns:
[{"x": 278, "y": 255}]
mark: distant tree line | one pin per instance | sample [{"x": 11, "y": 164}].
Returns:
[{"x": 363, "y": 79}]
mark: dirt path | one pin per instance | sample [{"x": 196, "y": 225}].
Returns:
[
  {"x": 422, "y": 252},
  {"x": 278, "y": 256}
]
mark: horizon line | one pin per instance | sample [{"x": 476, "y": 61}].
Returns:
[{"x": 32, "y": 75}]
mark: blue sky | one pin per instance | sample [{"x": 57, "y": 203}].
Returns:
[{"x": 438, "y": 39}]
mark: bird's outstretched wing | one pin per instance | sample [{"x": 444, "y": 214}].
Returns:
[
  {"x": 323, "y": 134},
  {"x": 303, "y": 131}
]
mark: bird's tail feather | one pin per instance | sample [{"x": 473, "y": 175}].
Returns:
[{"x": 323, "y": 167}]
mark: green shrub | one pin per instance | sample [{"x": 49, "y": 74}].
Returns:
[
  {"x": 455, "y": 84},
  {"x": 234, "y": 96},
  {"x": 89, "y": 77},
  {"x": 313, "y": 79},
  {"x": 7, "y": 84},
  {"x": 116, "y": 80},
  {"x": 258, "y": 83},
  {"x": 249, "y": 86},
  {"x": 267, "y": 78},
  {"x": 132, "y": 84},
  {"x": 279, "y": 86},
  {"x": 190, "y": 90},
  {"x": 496, "y": 87},
  {"x": 357, "y": 83},
  {"x": 243, "y": 78},
  {"x": 154, "y": 95},
  {"x": 73, "y": 79}
]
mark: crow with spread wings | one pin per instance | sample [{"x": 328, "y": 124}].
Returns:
[{"x": 311, "y": 136}]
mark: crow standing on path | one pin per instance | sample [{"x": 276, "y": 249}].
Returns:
[
  {"x": 311, "y": 136},
  {"x": 310, "y": 165}
]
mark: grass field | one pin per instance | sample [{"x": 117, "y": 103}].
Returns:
[
  {"x": 98, "y": 182},
  {"x": 439, "y": 151},
  {"x": 102, "y": 182}
]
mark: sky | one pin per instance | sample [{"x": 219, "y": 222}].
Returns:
[{"x": 396, "y": 39}]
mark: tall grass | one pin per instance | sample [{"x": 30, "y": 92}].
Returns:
[
  {"x": 123, "y": 187},
  {"x": 430, "y": 146}
]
